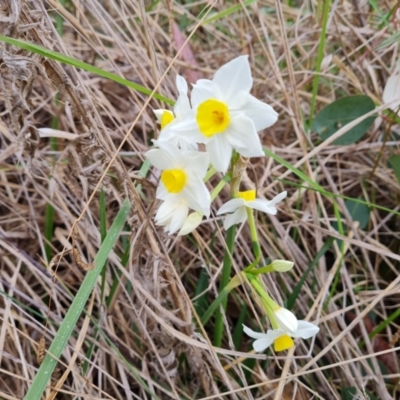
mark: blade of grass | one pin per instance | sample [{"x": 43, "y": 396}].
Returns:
[
  {"x": 69, "y": 323},
  {"x": 103, "y": 234},
  {"x": 292, "y": 298},
  {"x": 48, "y": 229},
  {"x": 200, "y": 304},
  {"x": 296, "y": 171},
  {"x": 228, "y": 11},
  {"x": 53, "y": 55},
  {"x": 381, "y": 326},
  {"x": 238, "y": 331}
]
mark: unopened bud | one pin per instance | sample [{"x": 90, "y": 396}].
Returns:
[
  {"x": 286, "y": 320},
  {"x": 191, "y": 223},
  {"x": 281, "y": 265}
]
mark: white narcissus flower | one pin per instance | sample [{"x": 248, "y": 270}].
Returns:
[
  {"x": 247, "y": 199},
  {"x": 168, "y": 119},
  {"x": 281, "y": 339},
  {"x": 226, "y": 116},
  {"x": 181, "y": 185}
]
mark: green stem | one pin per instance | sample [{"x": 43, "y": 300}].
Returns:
[
  {"x": 226, "y": 272},
  {"x": 209, "y": 174},
  {"x": 320, "y": 56},
  {"x": 254, "y": 239},
  {"x": 269, "y": 304},
  {"x": 220, "y": 186}
]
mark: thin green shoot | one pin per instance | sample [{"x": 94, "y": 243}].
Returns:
[
  {"x": 68, "y": 325},
  {"x": 53, "y": 55}
]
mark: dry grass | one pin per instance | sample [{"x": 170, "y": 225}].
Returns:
[{"x": 149, "y": 332}]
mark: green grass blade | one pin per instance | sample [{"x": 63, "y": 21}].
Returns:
[
  {"x": 237, "y": 336},
  {"x": 228, "y": 11},
  {"x": 53, "y": 55},
  {"x": 296, "y": 171},
  {"x": 68, "y": 325},
  {"x": 382, "y": 326},
  {"x": 48, "y": 229},
  {"x": 200, "y": 304},
  {"x": 292, "y": 298}
]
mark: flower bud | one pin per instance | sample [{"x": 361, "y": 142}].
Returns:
[
  {"x": 286, "y": 320},
  {"x": 191, "y": 223},
  {"x": 281, "y": 265}
]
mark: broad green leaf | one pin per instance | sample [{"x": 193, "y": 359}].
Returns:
[
  {"x": 359, "y": 212},
  {"x": 394, "y": 162},
  {"x": 339, "y": 113}
]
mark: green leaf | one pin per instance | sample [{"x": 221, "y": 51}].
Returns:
[
  {"x": 359, "y": 212},
  {"x": 394, "y": 162},
  {"x": 53, "y": 55},
  {"x": 339, "y": 113}
]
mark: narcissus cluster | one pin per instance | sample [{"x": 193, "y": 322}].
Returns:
[{"x": 224, "y": 119}]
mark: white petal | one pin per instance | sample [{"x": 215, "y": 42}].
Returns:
[
  {"x": 271, "y": 335},
  {"x": 182, "y": 105},
  {"x": 231, "y": 205},
  {"x": 233, "y": 77},
  {"x": 189, "y": 130},
  {"x": 253, "y": 334},
  {"x": 165, "y": 212},
  {"x": 265, "y": 205},
  {"x": 160, "y": 159},
  {"x": 286, "y": 320},
  {"x": 162, "y": 192},
  {"x": 181, "y": 84},
  {"x": 220, "y": 152},
  {"x": 305, "y": 330},
  {"x": 158, "y": 114},
  {"x": 261, "y": 344},
  {"x": 238, "y": 217},
  {"x": 191, "y": 223},
  {"x": 262, "y": 114},
  {"x": 203, "y": 90},
  {"x": 262, "y": 205},
  {"x": 198, "y": 197},
  {"x": 178, "y": 218},
  {"x": 243, "y": 137},
  {"x": 196, "y": 163},
  {"x": 167, "y": 134},
  {"x": 171, "y": 152},
  {"x": 279, "y": 197},
  {"x": 187, "y": 146}
]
